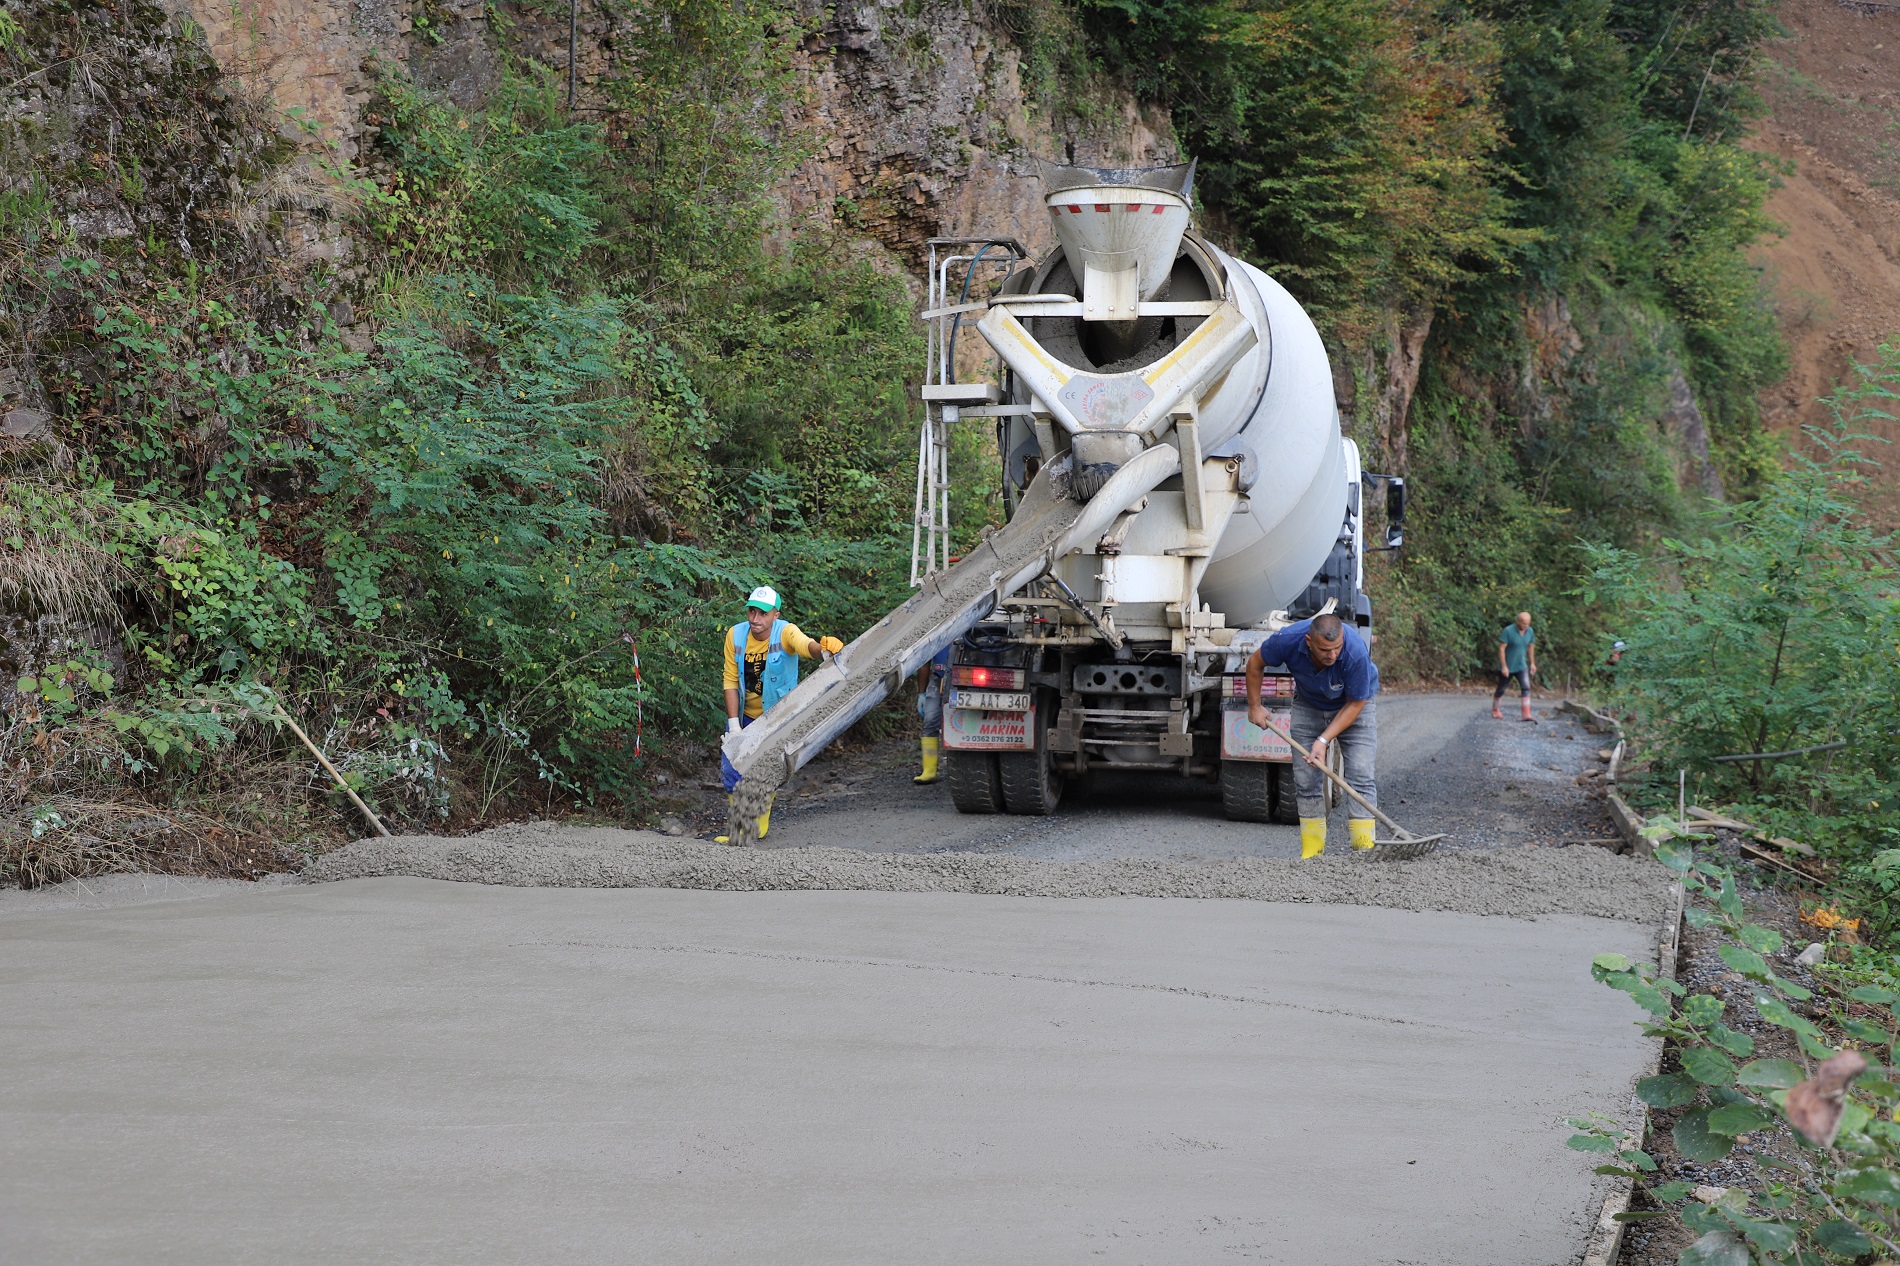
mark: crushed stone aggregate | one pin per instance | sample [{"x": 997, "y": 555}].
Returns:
[{"x": 1519, "y": 883}]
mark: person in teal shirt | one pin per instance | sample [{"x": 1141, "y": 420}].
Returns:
[{"x": 1517, "y": 661}]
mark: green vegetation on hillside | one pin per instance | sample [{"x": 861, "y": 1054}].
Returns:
[
  {"x": 483, "y": 537},
  {"x": 1777, "y": 630}
]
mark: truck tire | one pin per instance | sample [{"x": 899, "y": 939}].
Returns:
[
  {"x": 1246, "y": 790},
  {"x": 1286, "y": 802},
  {"x": 974, "y": 786},
  {"x": 1031, "y": 783}
]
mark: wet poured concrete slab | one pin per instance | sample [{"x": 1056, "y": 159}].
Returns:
[{"x": 403, "y": 1070}]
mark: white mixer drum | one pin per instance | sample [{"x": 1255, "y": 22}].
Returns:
[{"x": 1267, "y": 557}]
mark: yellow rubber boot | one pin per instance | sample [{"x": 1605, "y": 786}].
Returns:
[
  {"x": 929, "y": 775},
  {"x": 1359, "y": 831},
  {"x": 725, "y": 839},
  {"x": 1312, "y": 837},
  {"x": 765, "y": 819}
]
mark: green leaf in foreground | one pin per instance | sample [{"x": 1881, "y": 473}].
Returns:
[
  {"x": 1876, "y": 1186},
  {"x": 1739, "y": 1118},
  {"x": 1861, "y": 1031},
  {"x": 1675, "y": 857},
  {"x": 1702, "y": 1009},
  {"x": 1760, "y": 939},
  {"x": 1695, "y": 1140},
  {"x": 1844, "y": 1238},
  {"x": 1666, "y": 1090},
  {"x": 1770, "y": 1074},
  {"x": 1875, "y": 995},
  {"x": 1738, "y": 1044},
  {"x": 1590, "y": 1143},
  {"x": 1708, "y": 1066},
  {"x": 1777, "y": 1012},
  {"x": 1770, "y": 1237},
  {"x": 1672, "y": 1191},
  {"x": 1746, "y": 961},
  {"x": 1717, "y": 1248}
]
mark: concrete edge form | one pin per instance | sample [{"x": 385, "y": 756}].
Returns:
[
  {"x": 1629, "y": 825},
  {"x": 1606, "y": 1240},
  {"x": 1628, "y": 822},
  {"x": 1594, "y": 721}
]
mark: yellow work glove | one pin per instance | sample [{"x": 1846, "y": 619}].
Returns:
[{"x": 830, "y": 645}]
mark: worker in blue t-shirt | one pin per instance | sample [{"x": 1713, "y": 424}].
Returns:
[
  {"x": 1517, "y": 662},
  {"x": 1334, "y": 680}
]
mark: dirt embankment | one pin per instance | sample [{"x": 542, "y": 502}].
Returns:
[{"x": 1834, "y": 93}]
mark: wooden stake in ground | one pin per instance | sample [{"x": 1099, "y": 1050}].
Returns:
[{"x": 323, "y": 760}]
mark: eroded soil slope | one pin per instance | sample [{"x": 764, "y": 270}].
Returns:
[{"x": 1834, "y": 95}]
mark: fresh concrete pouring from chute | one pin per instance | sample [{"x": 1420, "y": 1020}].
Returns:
[{"x": 1177, "y": 488}]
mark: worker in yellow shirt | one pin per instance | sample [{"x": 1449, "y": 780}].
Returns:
[{"x": 761, "y": 670}]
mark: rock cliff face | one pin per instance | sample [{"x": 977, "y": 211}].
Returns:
[
  {"x": 923, "y": 130},
  {"x": 916, "y": 117}
]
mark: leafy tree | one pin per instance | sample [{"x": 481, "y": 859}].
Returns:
[{"x": 1776, "y": 631}]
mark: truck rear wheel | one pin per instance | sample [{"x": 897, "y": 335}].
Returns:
[
  {"x": 1031, "y": 783},
  {"x": 1246, "y": 790},
  {"x": 1286, "y": 802},
  {"x": 974, "y": 786}
]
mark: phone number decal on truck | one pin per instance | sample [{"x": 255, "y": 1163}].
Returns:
[
  {"x": 973, "y": 729},
  {"x": 1240, "y": 739}
]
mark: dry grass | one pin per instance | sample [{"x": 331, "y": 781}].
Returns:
[
  {"x": 53, "y": 560},
  {"x": 293, "y": 186},
  {"x": 79, "y": 839}
]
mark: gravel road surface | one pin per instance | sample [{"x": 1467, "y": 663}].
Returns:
[{"x": 1444, "y": 765}]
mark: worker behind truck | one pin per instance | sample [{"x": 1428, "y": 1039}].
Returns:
[
  {"x": 1334, "y": 680},
  {"x": 761, "y": 670},
  {"x": 930, "y": 680}
]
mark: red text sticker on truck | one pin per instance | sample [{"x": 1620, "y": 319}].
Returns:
[{"x": 971, "y": 729}]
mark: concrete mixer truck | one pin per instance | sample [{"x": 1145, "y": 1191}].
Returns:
[{"x": 1175, "y": 484}]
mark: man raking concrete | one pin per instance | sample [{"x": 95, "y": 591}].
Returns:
[{"x": 1334, "y": 682}]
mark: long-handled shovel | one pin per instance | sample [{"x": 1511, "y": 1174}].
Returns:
[{"x": 1404, "y": 848}]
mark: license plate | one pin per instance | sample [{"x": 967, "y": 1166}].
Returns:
[{"x": 992, "y": 700}]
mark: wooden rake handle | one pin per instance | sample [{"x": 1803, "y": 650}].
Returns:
[{"x": 1337, "y": 781}]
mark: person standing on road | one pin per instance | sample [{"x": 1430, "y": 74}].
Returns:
[
  {"x": 930, "y": 711},
  {"x": 761, "y": 670},
  {"x": 1517, "y": 660},
  {"x": 1334, "y": 680}
]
